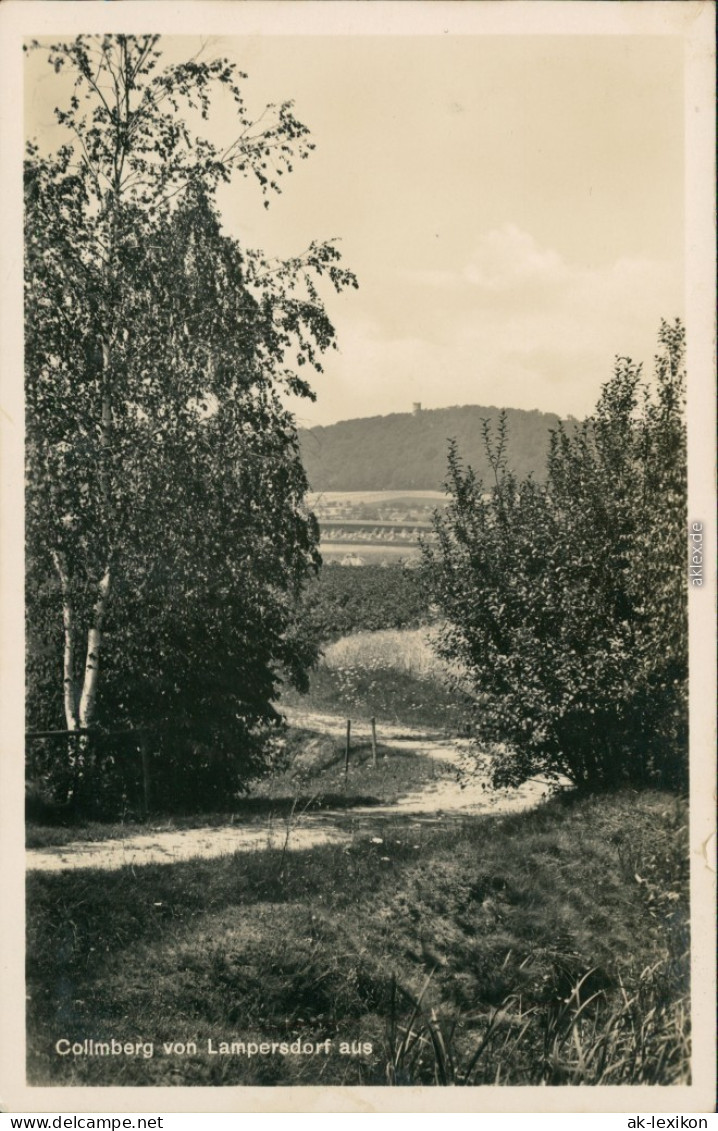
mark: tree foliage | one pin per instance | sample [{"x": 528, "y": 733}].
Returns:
[
  {"x": 168, "y": 537},
  {"x": 566, "y": 602}
]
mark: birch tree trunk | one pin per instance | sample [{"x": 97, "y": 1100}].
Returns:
[
  {"x": 88, "y": 697},
  {"x": 76, "y": 755},
  {"x": 69, "y": 689},
  {"x": 80, "y": 699}
]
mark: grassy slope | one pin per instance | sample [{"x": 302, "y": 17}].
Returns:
[
  {"x": 392, "y": 696},
  {"x": 392, "y": 674},
  {"x": 273, "y": 947}
]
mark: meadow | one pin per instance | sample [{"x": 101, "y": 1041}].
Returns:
[
  {"x": 479, "y": 951},
  {"x": 400, "y": 498},
  {"x": 544, "y": 947},
  {"x": 391, "y": 674},
  {"x": 373, "y": 624}
]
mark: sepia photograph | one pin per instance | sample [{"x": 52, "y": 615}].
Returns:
[{"x": 358, "y": 616}]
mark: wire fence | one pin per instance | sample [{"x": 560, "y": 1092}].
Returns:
[{"x": 132, "y": 770}]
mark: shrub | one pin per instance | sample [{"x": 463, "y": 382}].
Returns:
[{"x": 566, "y": 602}]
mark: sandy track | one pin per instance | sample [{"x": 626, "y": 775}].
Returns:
[{"x": 452, "y": 796}]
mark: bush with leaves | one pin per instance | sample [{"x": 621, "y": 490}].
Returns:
[{"x": 566, "y": 602}]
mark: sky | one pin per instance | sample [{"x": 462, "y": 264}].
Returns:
[{"x": 511, "y": 205}]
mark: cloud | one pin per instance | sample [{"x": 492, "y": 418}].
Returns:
[
  {"x": 505, "y": 259},
  {"x": 508, "y": 264},
  {"x": 514, "y": 324},
  {"x": 508, "y": 259}
]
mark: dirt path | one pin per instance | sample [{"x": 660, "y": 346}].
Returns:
[{"x": 454, "y": 796}]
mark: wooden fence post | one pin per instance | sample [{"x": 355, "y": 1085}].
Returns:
[
  {"x": 373, "y": 741},
  {"x": 346, "y": 752}
]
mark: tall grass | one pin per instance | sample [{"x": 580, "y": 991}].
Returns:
[
  {"x": 638, "y": 1037},
  {"x": 407, "y": 650},
  {"x": 393, "y": 674}
]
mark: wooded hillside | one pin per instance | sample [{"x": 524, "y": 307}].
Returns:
[{"x": 406, "y": 450}]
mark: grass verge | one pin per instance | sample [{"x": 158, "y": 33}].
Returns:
[{"x": 544, "y": 947}]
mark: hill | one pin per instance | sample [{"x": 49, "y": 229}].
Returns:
[{"x": 408, "y": 450}]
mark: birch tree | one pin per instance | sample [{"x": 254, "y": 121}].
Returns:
[{"x": 157, "y": 351}]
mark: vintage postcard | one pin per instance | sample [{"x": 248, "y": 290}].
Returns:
[{"x": 358, "y": 570}]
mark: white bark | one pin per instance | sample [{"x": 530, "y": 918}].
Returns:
[
  {"x": 88, "y": 697},
  {"x": 94, "y": 645},
  {"x": 69, "y": 691}
]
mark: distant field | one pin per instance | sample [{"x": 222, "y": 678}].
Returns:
[
  {"x": 380, "y": 524},
  {"x": 344, "y": 516},
  {"x": 411, "y": 497},
  {"x": 370, "y": 552}
]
